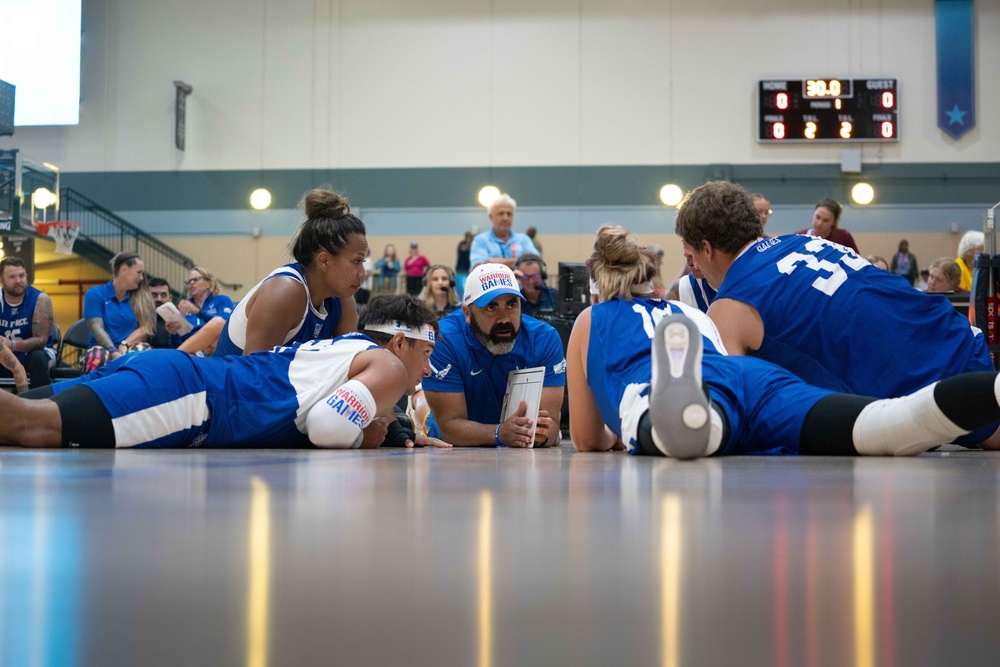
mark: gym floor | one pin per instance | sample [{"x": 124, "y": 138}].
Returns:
[{"x": 496, "y": 557}]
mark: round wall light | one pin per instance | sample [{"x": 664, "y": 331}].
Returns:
[
  {"x": 671, "y": 194},
  {"x": 488, "y": 195},
  {"x": 862, "y": 194},
  {"x": 260, "y": 199}
]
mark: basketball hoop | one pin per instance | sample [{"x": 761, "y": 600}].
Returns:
[{"x": 63, "y": 232}]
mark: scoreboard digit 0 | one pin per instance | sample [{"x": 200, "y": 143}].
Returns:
[{"x": 831, "y": 110}]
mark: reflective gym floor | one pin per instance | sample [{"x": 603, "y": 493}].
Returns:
[{"x": 496, "y": 557}]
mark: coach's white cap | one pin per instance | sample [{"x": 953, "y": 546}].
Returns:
[{"x": 487, "y": 282}]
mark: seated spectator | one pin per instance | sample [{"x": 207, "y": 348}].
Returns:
[
  {"x": 531, "y": 273},
  {"x": 439, "y": 290},
  {"x": 26, "y": 323},
  {"x": 159, "y": 289},
  {"x": 969, "y": 246},
  {"x": 826, "y": 224},
  {"x": 312, "y": 298},
  {"x": 120, "y": 312},
  {"x": 944, "y": 276},
  {"x": 878, "y": 261},
  {"x": 462, "y": 262},
  {"x": 206, "y": 310},
  {"x": 921, "y": 284}
]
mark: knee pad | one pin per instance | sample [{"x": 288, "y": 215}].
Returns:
[{"x": 339, "y": 420}]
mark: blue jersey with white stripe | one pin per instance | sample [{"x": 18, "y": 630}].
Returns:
[
  {"x": 15, "y": 321},
  {"x": 838, "y": 322},
  {"x": 168, "y": 398},
  {"x": 315, "y": 324}
]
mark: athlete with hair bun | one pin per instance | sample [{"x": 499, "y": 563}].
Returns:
[
  {"x": 638, "y": 369},
  {"x": 312, "y": 298}
]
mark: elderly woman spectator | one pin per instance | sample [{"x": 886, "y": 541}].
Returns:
[
  {"x": 969, "y": 246},
  {"x": 944, "y": 276},
  {"x": 119, "y": 312},
  {"x": 904, "y": 263}
]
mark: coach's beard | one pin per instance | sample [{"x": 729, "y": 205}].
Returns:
[{"x": 492, "y": 341}]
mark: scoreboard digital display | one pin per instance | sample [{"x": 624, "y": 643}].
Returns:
[{"x": 831, "y": 110}]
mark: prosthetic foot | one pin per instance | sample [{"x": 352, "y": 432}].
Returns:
[{"x": 678, "y": 407}]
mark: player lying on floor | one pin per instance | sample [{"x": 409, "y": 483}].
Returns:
[
  {"x": 638, "y": 369},
  {"x": 331, "y": 393}
]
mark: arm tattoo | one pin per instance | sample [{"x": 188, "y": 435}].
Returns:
[
  {"x": 96, "y": 325},
  {"x": 41, "y": 325}
]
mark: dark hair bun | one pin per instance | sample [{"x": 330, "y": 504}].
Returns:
[{"x": 325, "y": 203}]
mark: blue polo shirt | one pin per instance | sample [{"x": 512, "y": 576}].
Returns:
[
  {"x": 461, "y": 364},
  {"x": 119, "y": 320},
  {"x": 487, "y": 245},
  {"x": 215, "y": 305}
]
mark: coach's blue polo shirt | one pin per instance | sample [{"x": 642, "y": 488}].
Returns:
[{"x": 119, "y": 320}]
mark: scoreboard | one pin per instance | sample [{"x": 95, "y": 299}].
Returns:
[{"x": 830, "y": 110}]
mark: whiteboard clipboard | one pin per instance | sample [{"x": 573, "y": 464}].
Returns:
[
  {"x": 524, "y": 385},
  {"x": 168, "y": 311}
]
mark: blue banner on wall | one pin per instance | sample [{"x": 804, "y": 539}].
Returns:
[{"x": 956, "y": 93}]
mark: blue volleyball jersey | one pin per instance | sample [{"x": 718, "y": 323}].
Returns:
[
  {"x": 695, "y": 292},
  {"x": 168, "y": 398},
  {"x": 460, "y": 363},
  {"x": 15, "y": 321},
  {"x": 838, "y": 322},
  {"x": 765, "y": 406},
  {"x": 315, "y": 324}
]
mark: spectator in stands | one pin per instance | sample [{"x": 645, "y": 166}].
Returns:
[
  {"x": 439, "y": 290},
  {"x": 501, "y": 245},
  {"x": 969, "y": 246},
  {"x": 478, "y": 348},
  {"x": 826, "y": 224},
  {"x": 462, "y": 263},
  {"x": 159, "y": 289},
  {"x": 904, "y": 263},
  {"x": 415, "y": 265},
  {"x": 26, "y": 322},
  {"x": 120, "y": 312},
  {"x": 944, "y": 275},
  {"x": 387, "y": 268},
  {"x": 532, "y": 234},
  {"x": 532, "y": 273},
  {"x": 365, "y": 292},
  {"x": 878, "y": 261},
  {"x": 922, "y": 282},
  {"x": 313, "y": 297},
  {"x": 206, "y": 309},
  {"x": 763, "y": 207}
]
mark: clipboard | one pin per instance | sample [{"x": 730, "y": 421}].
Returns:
[
  {"x": 168, "y": 311},
  {"x": 524, "y": 385}
]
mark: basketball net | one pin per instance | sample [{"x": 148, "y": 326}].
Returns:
[{"x": 63, "y": 232}]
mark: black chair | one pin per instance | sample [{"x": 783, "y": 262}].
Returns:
[{"x": 71, "y": 347}]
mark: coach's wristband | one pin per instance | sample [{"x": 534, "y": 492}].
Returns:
[{"x": 496, "y": 436}]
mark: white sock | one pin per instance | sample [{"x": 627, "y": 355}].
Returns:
[{"x": 904, "y": 426}]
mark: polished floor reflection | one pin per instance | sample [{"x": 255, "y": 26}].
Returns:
[{"x": 496, "y": 557}]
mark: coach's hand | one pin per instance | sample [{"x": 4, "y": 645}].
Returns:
[
  {"x": 546, "y": 431},
  {"x": 516, "y": 431}
]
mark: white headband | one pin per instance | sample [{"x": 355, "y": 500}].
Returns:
[
  {"x": 425, "y": 332},
  {"x": 641, "y": 288}
]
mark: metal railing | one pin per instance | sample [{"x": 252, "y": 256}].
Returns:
[{"x": 104, "y": 234}]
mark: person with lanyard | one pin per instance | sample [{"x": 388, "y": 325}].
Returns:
[
  {"x": 500, "y": 245},
  {"x": 313, "y": 297}
]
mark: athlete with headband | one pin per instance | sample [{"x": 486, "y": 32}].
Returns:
[{"x": 329, "y": 393}]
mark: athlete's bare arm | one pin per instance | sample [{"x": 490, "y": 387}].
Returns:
[
  {"x": 41, "y": 326},
  {"x": 274, "y": 310},
  {"x": 10, "y": 362},
  {"x": 587, "y": 429},
  {"x": 348, "y": 317},
  {"x": 739, "y": 324}
]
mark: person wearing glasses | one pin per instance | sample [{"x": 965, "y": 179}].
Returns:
[
  {"x": 206, "y": 310},
  {"x": 313, "y": 297},
  {"x": 538, "y": 297}
]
